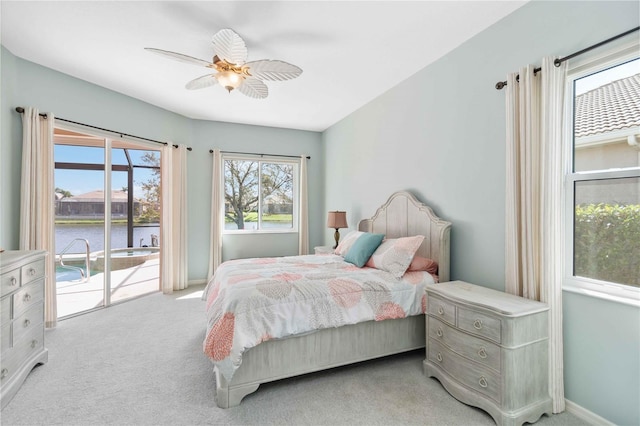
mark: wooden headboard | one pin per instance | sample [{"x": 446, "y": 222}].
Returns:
[{"x": 403, "y": 216}]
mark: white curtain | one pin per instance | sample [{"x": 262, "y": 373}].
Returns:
[
  {"x": 303, "y": 222},
  {"x": 37, "y": 229},
  {"x": 535, "y": 171},
  {"x": 217, "y": 215},
  {"x": 173, "y": 233}
]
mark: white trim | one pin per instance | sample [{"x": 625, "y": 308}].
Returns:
[
  {"x": 626, "y": 172},
  {"x": 263, "y": 158},
  {"x": 611, "y": 292},
  {"x": 619, "y": 54},
  {"x": 586, "y": 64},
  {"x": 295, "y": 162},
  {"x": 108, "y": 172},
  {"x": 588, "y": 416},
  {"x": 259, "y": 231},
  {"x": 606, "y": 138}
]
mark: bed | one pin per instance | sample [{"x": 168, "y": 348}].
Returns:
[{"x": 240, "y": 367}]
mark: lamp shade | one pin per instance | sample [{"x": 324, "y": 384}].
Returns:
[{"x": 337, "y": 220}]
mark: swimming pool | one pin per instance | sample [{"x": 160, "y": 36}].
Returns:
[
  {"x": 125, "y": 257},
  {"x": 66, "y": 274},
  {"x": 121, "y": 258}
]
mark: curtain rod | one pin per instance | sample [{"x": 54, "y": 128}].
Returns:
[
  {"x": 21, "y": 111},
  {"x": 557, "y": 62},
  {"x": 262, "y": 155}
]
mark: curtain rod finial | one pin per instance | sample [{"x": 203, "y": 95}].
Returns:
[{"x": 500, "y": 85}]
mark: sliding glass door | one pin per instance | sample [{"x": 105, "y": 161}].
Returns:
[{"x": 107, "y": 223}]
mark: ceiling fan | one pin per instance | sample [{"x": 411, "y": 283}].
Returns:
[{"x": 231, "y": 69}]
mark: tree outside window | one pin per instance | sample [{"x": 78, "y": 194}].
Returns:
[{"x": 259, "y": 194}]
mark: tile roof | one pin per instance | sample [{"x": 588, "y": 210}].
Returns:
[{"x": 611, "y": 107}]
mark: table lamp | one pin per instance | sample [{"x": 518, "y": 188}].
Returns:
[{"x": 337, "y": 220}]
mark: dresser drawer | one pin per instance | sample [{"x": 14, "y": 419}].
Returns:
[
  {"x": 441, "y": 309},
  {"x": 5, "y": 310},
  {"x": 14, "y": 358},
  {"x": 466, "y": 372},
  {"x": 32, "y": 318},
  {"x": 32, "y": 271},
  {"x": 10, "y": 281},
  {"x": 5, "y": 338},
  {"x": 480, "y": 324},
  {"x": 474, "y": 348},
  {"x": 28, "y": 296}
]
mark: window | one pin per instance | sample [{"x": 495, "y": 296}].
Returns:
[
  {"x": 603, "y": 181},
  {"x": 260, "y": 195}
]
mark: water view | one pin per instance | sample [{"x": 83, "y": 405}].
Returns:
[{"x": 94, "y": 233}]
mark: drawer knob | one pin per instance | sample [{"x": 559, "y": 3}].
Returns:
[
  {"x": 4, "y": 373},
  {"x": 483, "y": 382},
  {"x": 439, "y": 357},
  {"x": 27, "y": 297},
  {"x": 14, "y": 281},
  {"x": 439, "y": 332},
  {"x": 482, "y": 353},
  {"x": 477, "y": 324},
  {"x": 440, "y": 310},
  {"x": 31, "y": 272},
  {"x": 27, "y": 323}
]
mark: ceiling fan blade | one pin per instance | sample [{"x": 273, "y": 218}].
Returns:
[
  {"x": 254, "y": 88},
  {"x": 180, "y": 57},
  {"x": 202, "y": 82},
  {"x": 273, "y": 70},
  {"x": 230, "y": 46}
]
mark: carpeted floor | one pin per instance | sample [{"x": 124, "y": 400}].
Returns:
[{"x": 141, "y": 363}]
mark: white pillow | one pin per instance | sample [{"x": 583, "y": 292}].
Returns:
[
  {"x": 395, "y": 255},
  {"x": 347, "y": 242}
]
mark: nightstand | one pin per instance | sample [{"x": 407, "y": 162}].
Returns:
[
  {"x": 323, "y": 250},
  {"x": 489, "y": 349}
]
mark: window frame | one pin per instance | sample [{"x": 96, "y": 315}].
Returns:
[
  {"x": 296, "y": 193},
  {"x": 616, "y": 292}
]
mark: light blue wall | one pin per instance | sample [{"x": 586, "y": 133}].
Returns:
[
  {"x": 28, "y": 84},
  {"x": 441, "y": 135}
]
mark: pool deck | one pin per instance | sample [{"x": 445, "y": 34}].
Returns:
[{"x": 76, "y": 296}]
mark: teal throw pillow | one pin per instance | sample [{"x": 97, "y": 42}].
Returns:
[{"x": 363, "y": 248}]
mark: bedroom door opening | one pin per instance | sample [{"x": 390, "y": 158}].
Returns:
[{"x": 107, "y": 224}]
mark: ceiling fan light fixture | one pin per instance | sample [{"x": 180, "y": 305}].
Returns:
[
  {"x": 232, "y": 71},
  {"x": 229, "y": 79}
]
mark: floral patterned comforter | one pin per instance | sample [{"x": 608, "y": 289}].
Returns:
[{"x": 250, "y": 301}]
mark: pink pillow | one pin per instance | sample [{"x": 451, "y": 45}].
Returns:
[
  {"x": 420, "y": 263},
  {"x": 395, "y": 255}
]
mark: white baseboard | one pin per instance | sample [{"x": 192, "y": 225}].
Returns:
[
  {"x": 586, "y": 415},
  {"x": 197, "y": 282}
]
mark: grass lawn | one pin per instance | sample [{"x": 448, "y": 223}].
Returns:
[{"x": 253, "y": 217}]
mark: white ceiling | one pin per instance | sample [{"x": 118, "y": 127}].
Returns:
[{"x": 350, "y": 52}]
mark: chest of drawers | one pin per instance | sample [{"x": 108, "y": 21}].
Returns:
[
  {"x": 22, "y": 314},
  {"x": 489, "y": 349}
]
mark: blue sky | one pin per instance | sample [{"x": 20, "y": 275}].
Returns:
[{"x": 82, "y": 181}]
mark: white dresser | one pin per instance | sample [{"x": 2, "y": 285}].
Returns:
[
  {"x": 22, "y": 310},
  {"x": 489, "y": 349}
]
